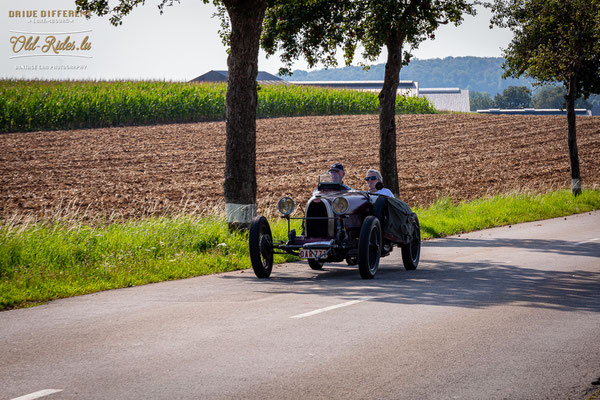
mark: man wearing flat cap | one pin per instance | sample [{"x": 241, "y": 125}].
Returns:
[
  {"x": 337, "y": 169},
  {"x": 336, "y": 174}
]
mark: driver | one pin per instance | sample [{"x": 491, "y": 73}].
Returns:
[
  {"x": 373, "y": 178},
  {"x": 337, "y": 173}
]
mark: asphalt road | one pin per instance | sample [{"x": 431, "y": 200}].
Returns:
[{"x": 507, "y": 313}]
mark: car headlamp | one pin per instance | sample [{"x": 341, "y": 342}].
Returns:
[
  {"x": 286, "y": 205},
  {"x": 340, "y": 205}
]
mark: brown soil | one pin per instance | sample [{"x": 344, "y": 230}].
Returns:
[{"x": 133, "y": 171}]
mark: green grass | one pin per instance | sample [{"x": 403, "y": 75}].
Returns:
[
  {"x": 595, "y": 396},
  {"x": 51, "y": 105},
  {"x": 47, "y": 260},
  {"x": 445, "y": 218},
  {"x": 41, "y": 261}
]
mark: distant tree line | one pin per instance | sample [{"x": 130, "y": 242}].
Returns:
[
  {"x": 522, "y": 97},
  {"x": 479, "y": 74}
]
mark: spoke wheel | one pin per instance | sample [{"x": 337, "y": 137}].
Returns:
[
  {"x": 261, "y": 247},
  {"x": 411, "y": 252},
  {"x": 369, "y": 247}
]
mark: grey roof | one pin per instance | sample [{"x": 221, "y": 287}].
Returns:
[
  {"x": 438, "y": 90},
  {"x": 221, "y": 76},
  {"x": 534, "y": 111},
  {"x": 355, "y": 84}
]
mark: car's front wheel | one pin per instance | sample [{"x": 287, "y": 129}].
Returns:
[
  {"x": 411, "y": 252},
  {"x": 369, "y": 247},
  {"x": 316, "y": 265},
  {"x": 261, "y": 247}
]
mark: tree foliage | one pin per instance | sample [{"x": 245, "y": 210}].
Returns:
[
  {"x": 317, "y": 29},
  {"x": 555, "y": 41},
  {"x": 554, "y": 97},
  {"x": 480, "y": 101},
  {"x": 513, "y": 97}
]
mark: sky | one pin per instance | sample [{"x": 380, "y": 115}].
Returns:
[{"x": 177, "y": 46}]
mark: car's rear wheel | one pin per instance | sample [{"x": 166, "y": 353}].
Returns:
[
  {"x": 411, "y": 252},
  {"x": 369, "y": 247},
  {"x": 261, "y": 247},
  {"x": 316, "y": 265}
]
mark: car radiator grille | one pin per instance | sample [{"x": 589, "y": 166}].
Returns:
[{"x": 317, "y": 227}]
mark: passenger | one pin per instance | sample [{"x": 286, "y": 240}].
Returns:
[{"x": 373, "y": 178}]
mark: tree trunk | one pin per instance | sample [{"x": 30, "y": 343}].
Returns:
[
  {"x": 240, "y": 111},
  {"x": 572, "y": 136},
  {"x": 387, "y": 115}
]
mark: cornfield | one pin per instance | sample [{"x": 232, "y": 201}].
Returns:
[{"x": 50, "y": 105}]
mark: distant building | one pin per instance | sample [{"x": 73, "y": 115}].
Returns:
[
  {"x": 443, "y": 99},
  {"x": 447, "y": 99},
  {"x": 536, "y": 111},
  {"x": 406, "y": 88},
  {"x": 221, "y": 76}
]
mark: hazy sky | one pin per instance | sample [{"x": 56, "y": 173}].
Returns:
[{"x": 178, "y": 45}]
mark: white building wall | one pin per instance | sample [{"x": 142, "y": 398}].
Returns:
[
  {"x": 451, "y": 99},
  {"x": 443, "y": 99}
]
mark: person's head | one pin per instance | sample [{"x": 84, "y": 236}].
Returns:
[
  {"x": 337, "y": 169},
  {"x": 373, "y": 177}
]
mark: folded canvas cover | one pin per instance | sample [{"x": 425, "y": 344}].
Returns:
[{"x": 398, "y": 221}]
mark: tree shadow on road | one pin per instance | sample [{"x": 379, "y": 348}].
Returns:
[
  {"x": 587, "y": 249},
  {"x": 461, "y": 284}
]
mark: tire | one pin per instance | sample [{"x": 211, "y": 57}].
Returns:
[
  {"x": 411, "y": 252},
  {"x": 316, "y": 265},
  {"x": 369, "y": 247},
  {"x": 380, "y": 210},
  {"x": 261, "y": 247}
]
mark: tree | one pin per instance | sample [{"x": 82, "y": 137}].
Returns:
[
  {"x": 550, "y": 97},
  {"x": 514, "y": 97},
  {"x": 554, "y": 97},
  {"x": 555, "y": 41},
  {"x": 245, "y": 19},
  {"x": 315, "y": 29},
  {"x": 481, "y": 101}
]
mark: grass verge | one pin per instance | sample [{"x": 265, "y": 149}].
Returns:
[
  {"x": 445, "y": 218},
  {"x": 41, "y": 261}
]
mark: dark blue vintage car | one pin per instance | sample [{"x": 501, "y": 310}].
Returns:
[{"x": 340, "y": 224}]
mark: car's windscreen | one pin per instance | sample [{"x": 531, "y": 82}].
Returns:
[{"x": 329, "y": 177}]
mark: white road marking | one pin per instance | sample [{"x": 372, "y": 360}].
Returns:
[
  {"x": 322, "y": 310},
  {"x": 488, "y": 267},
  {"x": 589, "y": 240},
  {"x": 479, "y": 269},
  {"x": 37, "y": 395}
]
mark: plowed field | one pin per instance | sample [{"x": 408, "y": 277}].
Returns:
[{"x": 132, "y": 171}]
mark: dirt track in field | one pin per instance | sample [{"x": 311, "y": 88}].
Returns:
[{"x": 132, "y": 171}]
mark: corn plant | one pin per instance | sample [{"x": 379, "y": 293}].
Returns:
[{"x": 50, "y": 105}]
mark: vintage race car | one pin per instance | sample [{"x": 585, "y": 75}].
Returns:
[{"x": 340, "y": 224}]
